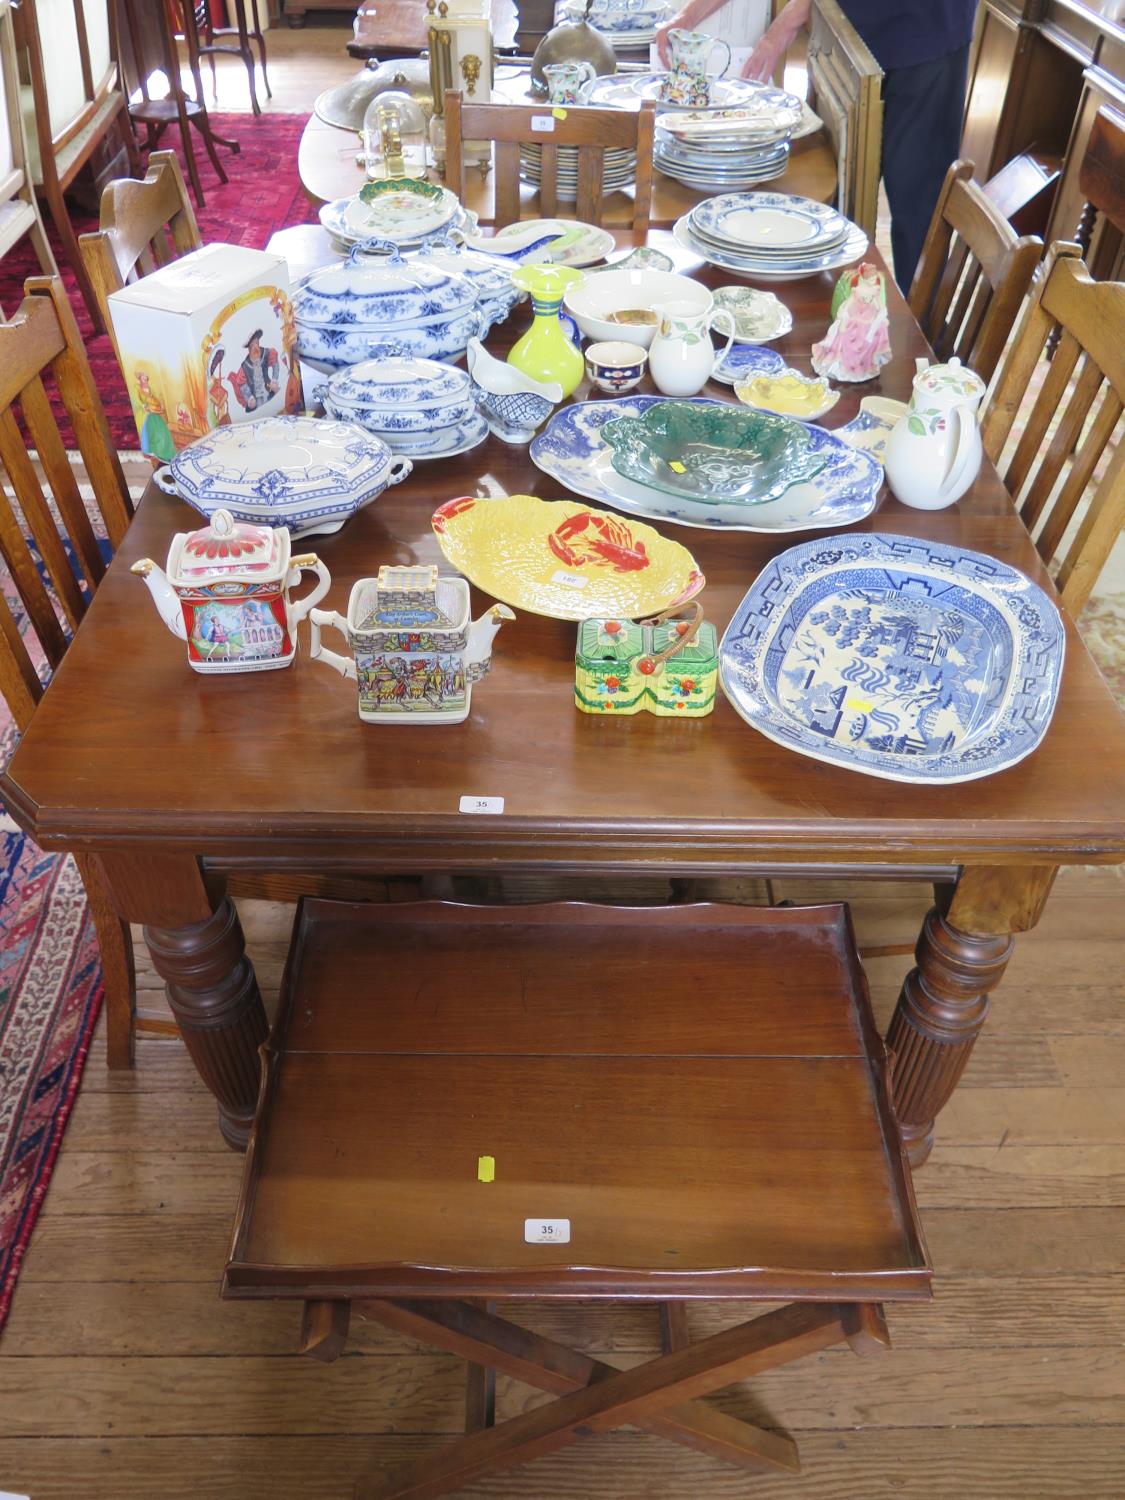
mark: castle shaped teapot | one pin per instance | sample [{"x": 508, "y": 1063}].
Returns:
[
  {"x": 415, "y": 654},
  {"x": 934, "y": 451},
  {"x": 226, "y": 594}
]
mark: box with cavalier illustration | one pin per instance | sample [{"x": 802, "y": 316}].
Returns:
[{"x": 206, "y": 341}]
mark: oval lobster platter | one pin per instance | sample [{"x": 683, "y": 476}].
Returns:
[{"x": 563, "y": 559}]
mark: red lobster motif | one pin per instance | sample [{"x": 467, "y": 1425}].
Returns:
[{"x": 599, "y": 540}]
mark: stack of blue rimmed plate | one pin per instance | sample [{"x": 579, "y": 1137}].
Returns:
[
  {"x": 619, "y": 169},
  {"x": 625, "y": 24},
  {"x": 773, "y": 236}
]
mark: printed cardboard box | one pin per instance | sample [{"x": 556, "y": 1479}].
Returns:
[{"x": 206, "y": 341}]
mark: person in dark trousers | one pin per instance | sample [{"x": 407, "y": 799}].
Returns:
[{"x": 923, "y": 48}]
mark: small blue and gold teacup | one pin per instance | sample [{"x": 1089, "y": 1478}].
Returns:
[{"x": 616, "y": 366}]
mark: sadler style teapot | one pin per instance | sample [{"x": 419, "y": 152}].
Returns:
[
  {"x": 226, "y": 593},
  {"x": 415, "y": 655},
  {"x": 934, "y": 452}
]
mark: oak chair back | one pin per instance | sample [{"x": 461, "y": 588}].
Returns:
[
  {"x": 1101, "y": 179},
  {"x": 143, "y": 225},
  {"x": 589, "y": 131},
  {"x": 846, "y": 90},
  {"x": 41, "y": 339},
  {"x": 973, "y": 275},
  {"x": 1067, "y": 435}
]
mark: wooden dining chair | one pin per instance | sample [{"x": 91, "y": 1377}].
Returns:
[
  {"x": 143, "y": 225},
  {"x": 42, "y": 339},
  {"x": 973, "y": 275},
  {"x": 55, "y": 565},
  {"x": 148, "y": 46},
  {"x": 19, "y": 208},
  {"x": 591, "y": 131},
  {"x": 1101, "y": 179},
  {"x": 71, "y": 101},
  {"x": 246, "y": 28},
  {"x": 1066, "y": 431}
]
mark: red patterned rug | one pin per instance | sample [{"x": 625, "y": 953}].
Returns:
[
  {"x": 264, "y": 194},
  {"x": 50, "y": 995}
]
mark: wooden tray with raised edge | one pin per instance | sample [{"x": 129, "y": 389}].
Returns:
[{"x": 698, "y": 1092}]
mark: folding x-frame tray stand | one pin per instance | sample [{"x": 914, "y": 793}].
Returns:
[{"x": 464, "y": 1104}]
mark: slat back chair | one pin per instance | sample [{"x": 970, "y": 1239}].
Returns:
[
  {"x": 973, "y": 275},
  {"x": 71, "y": 102},
  {"x": 1101, "y": 177},
  {"x": 846, "y": 90},
  {"x": 591, "y": 131},
  {"x": 143, "y": 225},
  {"x": 19, "y": 210},
  {"x": 1069, "y": 431},
  {"x": 56, "y": 580}
]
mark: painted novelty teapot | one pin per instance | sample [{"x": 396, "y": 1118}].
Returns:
[
  {"x": 225, "y": 592},
  {"x": 415, "y": 654},
  {"x": 934, "y": 451}
]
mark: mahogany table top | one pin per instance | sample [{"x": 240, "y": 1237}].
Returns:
[{"x": 129, "y": 749}]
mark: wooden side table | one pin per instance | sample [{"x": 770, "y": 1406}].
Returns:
[{"x": 567, "y": 1100}]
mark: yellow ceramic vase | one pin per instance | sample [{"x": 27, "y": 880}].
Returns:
[{"x": 546, "y": 352}]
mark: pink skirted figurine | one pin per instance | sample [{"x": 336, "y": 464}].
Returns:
[{"x": 857, "y": 345}]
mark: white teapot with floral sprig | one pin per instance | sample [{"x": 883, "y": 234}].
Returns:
[{"x": 934, "y": 452}]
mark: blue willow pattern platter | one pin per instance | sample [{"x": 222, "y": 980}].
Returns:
[
  {"x": 572, "y": 450},
  {"x": 895, "y": 656}
]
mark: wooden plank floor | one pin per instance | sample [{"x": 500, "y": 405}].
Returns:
[{"x": 124, "y": 1377}]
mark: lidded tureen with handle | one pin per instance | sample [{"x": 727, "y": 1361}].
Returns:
[{"x": 225, "y": 592}]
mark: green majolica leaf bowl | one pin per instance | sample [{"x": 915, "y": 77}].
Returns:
[{"x": 712, "y": 454}]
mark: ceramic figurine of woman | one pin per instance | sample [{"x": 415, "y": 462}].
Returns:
[
  {"x": 858, "y": 344},
  {"x": 156, "y": 438}
]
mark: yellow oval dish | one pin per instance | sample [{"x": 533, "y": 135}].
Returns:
[
  {"x": 563, "y": 559},
  {"x": 789, "y": 395}
]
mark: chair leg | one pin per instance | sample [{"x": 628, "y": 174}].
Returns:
[
  {"x": 42, "y": 247},
  {"x": 129, "y": 141},
  {"x": 118, "y": 974},
  {"x": 53, "y": 193}
]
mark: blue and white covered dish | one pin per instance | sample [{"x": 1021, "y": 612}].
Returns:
[
  {"x": 307, "y": 473},
  {"x": 400, "y": 399},
  {"x": 896, "y": 656},
  {"x": 342, "y": 310}
]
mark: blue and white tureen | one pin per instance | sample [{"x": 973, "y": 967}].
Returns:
[
  {"x": 343, "y": 310},
  {"x": 307, "y": 473},
  {"x": 415, "y": 406}
]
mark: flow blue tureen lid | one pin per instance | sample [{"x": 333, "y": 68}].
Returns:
[
  {"x": 382, "y": 290},
  {"x": 393, "y": 379}
]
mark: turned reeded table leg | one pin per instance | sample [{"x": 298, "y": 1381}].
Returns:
[
  {"x": 195, "y": 939},
  {"x": 214, "y": 997},
  {"x": 961, "y": 956}
]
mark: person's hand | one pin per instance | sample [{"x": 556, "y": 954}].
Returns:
[
  {"x": 762, "y": 62},
  {"x": 779, "y": 37},
  {"x": 662, "y": 39}
]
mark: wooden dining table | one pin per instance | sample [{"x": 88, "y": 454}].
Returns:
[{"x": 172, "y": 781}]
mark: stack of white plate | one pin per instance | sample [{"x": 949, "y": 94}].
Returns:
[
  {"x": 620, "y": 169},
  {"x": 735, "y": 147},
  {"x": 774, "y": 236},
  {"x": 715, "y": 167},
  {"x": 625, "y": 24}
]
